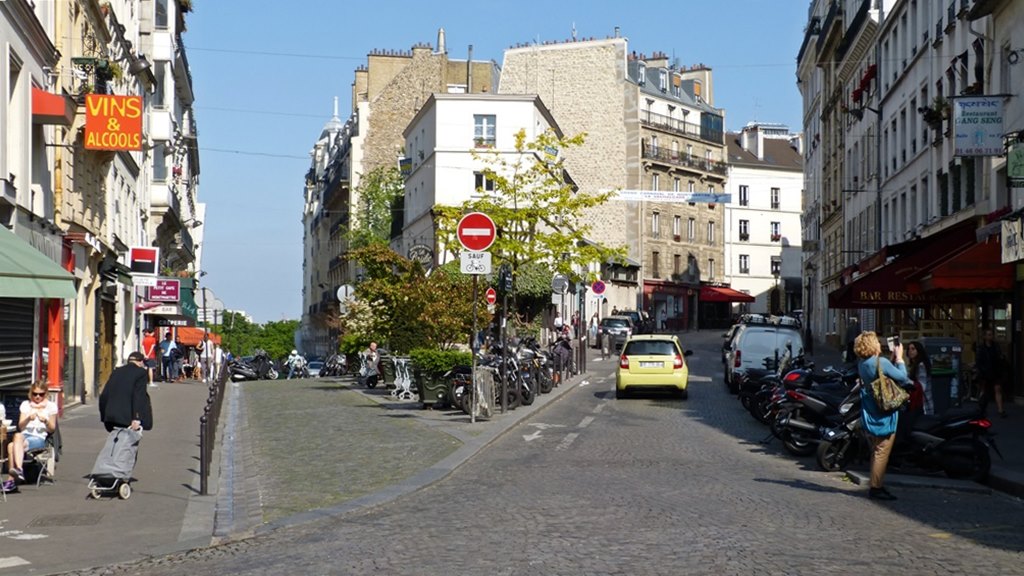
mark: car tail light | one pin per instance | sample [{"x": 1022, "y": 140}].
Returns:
[
  {"x": 736, "y": 360},
  {"x": 678, "y": 362},
  {"x": 624, "y": 362}
]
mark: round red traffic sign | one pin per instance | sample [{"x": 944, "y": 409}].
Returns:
[
  {"x": 597, "y": 287},
  {"x": 491, "y": 296},
  {"x": 476, "y": 231}
]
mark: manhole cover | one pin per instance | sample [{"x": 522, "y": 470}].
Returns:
[{"x": 67, "y": 520}]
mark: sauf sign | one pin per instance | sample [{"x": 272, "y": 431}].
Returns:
[{"x": 113, "y": 122}]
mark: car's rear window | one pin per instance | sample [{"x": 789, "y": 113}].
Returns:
[
  {"x": 760, "y": 344},
  {"x": 650, "y": 348},
  {"x": 616, "y": 322}
]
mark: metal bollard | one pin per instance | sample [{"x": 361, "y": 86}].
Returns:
[
  {"x": 204, "y": 457},
  {"x": 606, "y": 345}
]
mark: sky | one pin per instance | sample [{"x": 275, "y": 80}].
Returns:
[{"x": 265, "y": 76}]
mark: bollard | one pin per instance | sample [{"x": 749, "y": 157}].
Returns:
[
  {"x": 606, "y": 345},
  {"x": 204, "y": 459}
]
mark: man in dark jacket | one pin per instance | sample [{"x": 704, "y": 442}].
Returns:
[{"x": 124, "y": 402}]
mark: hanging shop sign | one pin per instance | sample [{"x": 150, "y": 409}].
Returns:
[
  {"x": 113, "y": 122},
  {"x": 1015, "y": 166},
  {"x": 978, "y": 126}
]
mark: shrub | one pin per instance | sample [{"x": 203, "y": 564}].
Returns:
[{"x": 436, "y": 362}]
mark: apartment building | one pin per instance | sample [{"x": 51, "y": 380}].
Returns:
[{"x": 763, "y": 234}]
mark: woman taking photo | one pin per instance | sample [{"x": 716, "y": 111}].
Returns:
[{"x": 880, "y": 425}]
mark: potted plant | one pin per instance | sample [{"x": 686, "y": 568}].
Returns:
[{"x": 429, "y": 365}]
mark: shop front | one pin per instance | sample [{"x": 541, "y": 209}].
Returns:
[{"x": 716, "y": 305}]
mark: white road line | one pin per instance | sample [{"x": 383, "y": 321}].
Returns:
[
  {"x": 565, "y": 443},
  {"x": 599, "y": 407},
  {"x": 693, "y": 378},
  {"x": 12, "y": 561},
  {"x": 585, "y": 422}
]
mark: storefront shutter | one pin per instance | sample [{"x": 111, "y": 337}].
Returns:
[{"x": 16, "y": 333}]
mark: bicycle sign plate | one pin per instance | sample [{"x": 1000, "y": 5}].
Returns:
[{"x": 475, "y": 262}]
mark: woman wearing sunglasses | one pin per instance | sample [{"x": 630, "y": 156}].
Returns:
[{"x": 38, "y": 419}]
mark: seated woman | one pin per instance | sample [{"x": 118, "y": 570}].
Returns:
[{"x": 37, "y": 419}]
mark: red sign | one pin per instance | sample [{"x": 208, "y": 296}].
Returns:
[
  {"x": 166, "y": 290},
  {"x": 476, "y": 231},
  {"x": 597, "y": 287},
  {"x": 113, "y": 122},
  {"x": 491, "y": 296},
  {"x": 143, "y": 260}
]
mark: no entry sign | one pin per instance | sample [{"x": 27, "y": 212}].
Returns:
[
  {"x": 491, "y": 296},
  {"x": 476, "y": 231}
]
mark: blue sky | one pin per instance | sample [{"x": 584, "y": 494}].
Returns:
[{"x": 265, "y": 76}]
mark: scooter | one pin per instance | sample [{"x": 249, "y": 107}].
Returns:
[{"x": 261, "y": 368}]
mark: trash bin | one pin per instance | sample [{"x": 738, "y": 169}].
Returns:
[{"x": 944, "y": 354}]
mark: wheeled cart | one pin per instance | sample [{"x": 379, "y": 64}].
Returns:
[{"x": 112, "y": 472}]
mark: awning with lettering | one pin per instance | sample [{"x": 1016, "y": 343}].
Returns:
[
  {"x": 976, "y": 269},
  {"x": 893, "y": 283},
  {"x": 723, "y": 294},
  {"x": 190, "y": 336}
]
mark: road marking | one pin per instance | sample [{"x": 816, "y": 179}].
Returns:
[
  {"x": 584, "y": 383},
  {"x": 564, "y": 444},
  {"x": 532, "y": 437},
  {"x": 543, "y": 426},
  {"x": 693, "y": 378},
  {"x": 19, "y": 535},
  {"x": 585, "y": 422},
  {"x": 600, "y": 407},
  {"x": 12, "y": 561}
]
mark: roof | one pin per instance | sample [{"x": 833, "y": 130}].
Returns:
[
  {"x": 778, "y": 153},
  {"x": 652, "y": 82}
]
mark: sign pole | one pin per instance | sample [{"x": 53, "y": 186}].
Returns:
[{"x": 473, "y": 349}]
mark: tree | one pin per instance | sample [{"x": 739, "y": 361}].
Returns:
[
  {"x": 378, "y": 190},
  {"x": 539, "y": 213}
]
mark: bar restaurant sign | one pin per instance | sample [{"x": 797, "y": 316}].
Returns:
[
  {"x": 113, "y": 122},
  {"x": 978, "y": 126}
]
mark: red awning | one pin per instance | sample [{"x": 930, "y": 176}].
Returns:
[
  {"x": 190, "y": 336},
  {"x": 50, "y": 108},
  {"x": 976, "y": 269},
  {"x": 894, "y": 285},
  {"x": 723, "y": 294}
]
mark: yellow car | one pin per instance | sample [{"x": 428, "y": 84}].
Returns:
[{"x": 652, "y": 362}]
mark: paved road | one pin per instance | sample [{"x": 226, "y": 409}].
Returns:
[{"x": 593, "y": 485}]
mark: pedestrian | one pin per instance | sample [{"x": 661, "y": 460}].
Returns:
[
  {"x": 615, "y": 310},
  {"x": 575, "y": 324},
  {"x": 37, "y": 419},
  {"x": 149, "y": 347},
  {"x": 852, "y": 331},
  {"x": 663, "y": 316},
  {"x": 205, "y": 348},
  {"x": 218, "y": 361},
  {"x": 177, "y": 361},
  {"x": 124, "y": 401},
  {"x": 991, "y": 364},
  {"x": 880, "y": 426},
  {"x": 593, "y": 327},
  {"x": 371, "y": 368},
  {"x": 919, "y": 369},
  {"x": 167, "y": 347}
]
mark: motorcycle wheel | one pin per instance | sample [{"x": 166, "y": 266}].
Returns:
[
  {"x": 458, "y": 396},
  {"x": 793, "y": 443},
  {"x": 371, "y": 382},
  {"x": 835, "y": 456},
  {"x": 512, "y": 398},
  {"x": 272, "y": 374},
  {"x": 965, "y": 458},
  {"x": 546, "y": 384},
  {"x": 759, "y": 410},
  {"x": 527, "y": 395}
]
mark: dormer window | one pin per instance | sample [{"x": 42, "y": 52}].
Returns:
[
  {"x": 642, "y": 74},
  {"x": 663, "y": 80}
]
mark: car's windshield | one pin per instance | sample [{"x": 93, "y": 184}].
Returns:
[{"x": 650, "y": 348}]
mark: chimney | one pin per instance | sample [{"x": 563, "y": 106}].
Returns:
[
  {"x": 617, "y": 34},
  {"x": 441, "y": 48},
  {"x": 469, "y": 70}
]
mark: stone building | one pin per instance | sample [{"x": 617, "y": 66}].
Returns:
[
  {"x": 386, "y": 93},
  {"x": 652, "y": 131}
]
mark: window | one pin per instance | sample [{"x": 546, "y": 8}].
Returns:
[
  {"x": 690, "y": 188},
  {"x": 711, "y": 232},
  {"x": 677, "y": 264},
  {"x": 775, "y": 198},
  {"x": 744, "y": 264},
  {"x": 690, "y": 229},
  {"x": 655, "y": 182},
  {"x": 160, "y": 71},
  {"x": 481, "y": 182},
  {"x": 483, "y": 130},
  {"x": 675, "y": 184},
  {"x": 663, "y": 80},
  {"x": 776, "y": 231},
  {"x": 160, "y": 18},
  {"x": 711, "y": 268},
  {"x": 655, "y": 224},
  {"x": 159, "y": 162},
  {"x": 654, "y": 143},
  {"x": 677, "y": 226},
  {"x": 655, "y": 269},
  {"x": 744, "y": 230},
  {"x": 776, "y": 266},
  {"x": 744, "y": 195}
]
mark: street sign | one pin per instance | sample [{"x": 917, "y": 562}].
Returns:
[
  {"x": 475, "y": 263},
  {"x": 345, "y": 292},
  {"x": 143, "y": 260},
  {"x": 597, "y": 287},
  {"x": 506, "y": 278},
  {"x": 491, "y": 295},
  {"x": 476, "y": 231},
  {"x": 165, "y": 290},
  {"x": 559, "y": 284},
  {"x": 143, "y": 280}
]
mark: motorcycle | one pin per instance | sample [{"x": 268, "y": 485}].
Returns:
[
  {"x": 259, "y": 368},
  {"x": 801, "y": 413},
  {"x": 956, "y": 443}
]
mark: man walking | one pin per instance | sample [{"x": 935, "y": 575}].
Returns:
[
  {"x": 149, "y": 344},
  {"x": 205, "y": 349},
  {"x": 124, "y": 402},
  {"x": 852, "y": 331},
  {"x": 167, "y": 346}
]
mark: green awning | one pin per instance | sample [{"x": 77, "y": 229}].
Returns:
[{"x": 27, "y": 273}]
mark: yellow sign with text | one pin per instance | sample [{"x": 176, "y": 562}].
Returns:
[{"x": 113, "y": 122}]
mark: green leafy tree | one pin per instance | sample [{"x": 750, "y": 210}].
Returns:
[
  {"x": 238, "y": 334},
  {"x": 378, "y": 190},
  {"x": 540, "y": 216},
  {"x": 278, "y": 338}
]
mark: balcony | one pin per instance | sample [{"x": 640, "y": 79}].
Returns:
[
  {"x": 675, "y": 237},
  {"x": 681, "y": 127},
  {"x": 675, "y": 158},
  {"x": 776, "y": 237}
]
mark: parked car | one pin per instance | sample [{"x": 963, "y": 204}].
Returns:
[
  {"x": 314, "y": 368},
  {"x": 642, "y": 324},
  {"x": 652, "y": 362},
  {"x": 752, "y": 345},
  {"x": 618, "y": 327}
]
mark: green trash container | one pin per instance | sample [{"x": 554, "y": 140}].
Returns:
[{"x": 433, "y": 389}]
